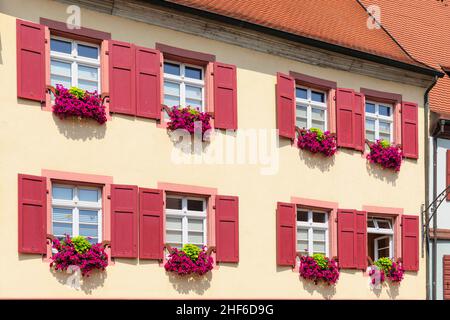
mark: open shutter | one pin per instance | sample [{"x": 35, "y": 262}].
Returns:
[
  {"x": 344, "y": 118},
  {"x": 448, "y": 173},
  {"x": 227, "y": 229},
  {"x": 32, "y": 214},
  {"x": 225, "y": 96},
  {"x": 148, "y": 83},
  {"x": 124, "y": 221},
  {"x": 286, "y": 234},
  {"x": 361, "y": 240},
  {"x": 285, "y": 92},
  {"x": 122, "y": 77},
  {"x": 446, "y": 274},
  {"x": 346, "y": 238},
  {"x": 410, "y": 242},
  {"x": 30, "y": 60},
  {"x": 359, "y": 120},
  {"x": 151, "y": 207},
  {"x": 410, "y": 131}
]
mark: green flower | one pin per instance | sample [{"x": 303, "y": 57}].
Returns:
[
  {"x": 384, "y": 264},
  {"x": 81, "y": 244},
  {"x": 318, "y": 132},
  {"x": 321, "y": 260},
  {"x": 192, "y": 251},
  {"x": 77, "y": 92},
  {"x": 385, "y": 143}
]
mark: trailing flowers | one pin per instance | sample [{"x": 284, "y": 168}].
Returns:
[
  {"x": 319, "y": 268},
  {"x": 386, "y": 268},
  {"x": 189, "y": 260},
  {"x": 387, "y": 155},
  {"x": 186, "y": 118},
  {"x": 316, "y": 141},
  {"x": 75, "y": 102}
]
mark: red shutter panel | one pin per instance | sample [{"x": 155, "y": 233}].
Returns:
[
  {"x": 285, "y": 92},
  {"x": 225, "y": 96},
  {"x": 148, "y": 91},
  {"x": 410, "y": 130},
  {"x": 286, "y": 234},
  {"x": 446, "y": 274},
  {"x": 345, "y": 118},
  {"x": 346, "y": 238},
  {"x": 124, "y": 221},
  {"x": 30, "y": 60},
  {"x": 32, "y": 214},
  {"x": 359, "y": 134},
  {"x": 361, "y": 240},
  {"x": 448, "y": 173},
  {"x": 227, "y": 229},
  {"x": 122, "y": 77},
  {"x": 151, "y": 207},
  {"x": 410, "y": 242}
]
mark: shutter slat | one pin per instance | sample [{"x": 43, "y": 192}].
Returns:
[
  {"x": 286, "y": 234},
  {"x": 124, "y": 221},
  {"x": 346, "y": 238},
  {"x": 227, "y": 228},
  {"x": 151, "y": 208},
  {"x": 122, "y": 77},
  {"x": 30, "y": 60},
  {"x": 359, "y": 120},
  {"x": 32, "y": 198},
  {"x": 225, "y": 96},
  {"x": 410, "y": 242},
  {"x": 148, "y": 83},
  {"x": 345, "y": 118},
  {"x": 410, "y": 132},
  {"x": 285, "y": 92}
]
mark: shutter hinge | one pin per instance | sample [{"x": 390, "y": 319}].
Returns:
[
  {"x": 335, "y": 220},
  {"x": 109, "y": 196},
  {"x": 107, "y": 52},
  {"x": 45, "y": 41},
  {"x": 214, "y": 207},
  {"x": 334, "y": 98}
]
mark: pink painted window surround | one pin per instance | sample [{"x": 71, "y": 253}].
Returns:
[{"x": 104, "y": 182}]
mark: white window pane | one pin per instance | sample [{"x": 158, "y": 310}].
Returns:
[
  {"x": 318, "y": 124},
  {"x": 88, "y": 216},
  {"x": 319, "y": 235},
  {"x": 319, "y": 247},
  {"x": 195, "y": 205},
  {"x": 64, "y": 81},
  {"x": 193, "y": 73},
  {"x": 171, "y": 68},
  {"x": 195, "y": 237},
  {"x": 174, "y": 223},
  {"x": 319, "y": 217},
  {"x": 193, "y": 93},
  {"x": 302, "y": 216},
  {"x": 176, "y": 245},
  {"x": 370, "y": 223},
  {"x": 61, "y": 229},
  {"x": 385, "y": 127},
  {"x": 317, "y": 96},
  {"x": 171, "y": 88},
  {"x": 87, "y": 230},
  {"x": 370, "y": 107},
  {"x": 302, "y": 246},
  {"x": 174, "y": 203},
  {"x": 318, "y": 114},
  {"x": 194, "y": 103},
  {"x": 173, "y": 236},
  {"x": 88, "y": 85},
  {"x": 88, "y": 195},
  {"x": 87, "y": 73},
  {"x": 195, "y": 225},
  {"x": 384, "y": 110},
  {"x": 302, "y": 234},
  {"x": 386, "y": 137},
  {"x": 370, "y": 135},
  {"x": 87, "y": 51},
  {"x": 60, "y": 68},
  {"x": 383, "y": 224},
  {"x": 301, "y": 93},
  {"x": 62, "y": 193},
  {"x": 301, "y": 123},
  {"x": 60, "y": 46},
  {"x": 62, "y": 215},
  {"x": 301, "y": 111},
  {"x": 171, "y": 101},
  {"x": 370, "y": 125}
]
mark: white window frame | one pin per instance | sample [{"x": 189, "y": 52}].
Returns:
[
  {"x": 185, "y": 215},
  {"x": 76, "y": 60},
  {"x": 309, "y": 104},
  {"x": 182, "y": 80},
  {"x": 384, "y": 233},
  {"x": 377, "y": 117},
  {"x": 311, "y": 226},
  {"x": 76, "y": 205}
]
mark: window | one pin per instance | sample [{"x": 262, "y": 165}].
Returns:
[
  {"x": 183, "y": 85},
  {"x": 311, "y": 109},
  {"x": 380, "y": 238},
  {"x": 77, "y": 211},
  {"x": 185, "y": 221},
  {"x": 379, "y": 121},
  {"x": 312, "y": 232},
  {"x": 74, "y": 63}
]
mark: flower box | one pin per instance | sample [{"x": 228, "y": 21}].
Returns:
[
  {"x": 386, "y": 268},
  {"x": 316, "y": 141},
  {"x": 189, "y": 260},
  {"x": 78, "y": 251},
  {"x": 75, "y": 102},
  {"x": 188, "y": 118},
  {"x": 319, "y": 268},
  {"x": 386, "y": 155}
]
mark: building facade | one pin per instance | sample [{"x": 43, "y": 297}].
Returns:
[{"x": 127, "y": 184}]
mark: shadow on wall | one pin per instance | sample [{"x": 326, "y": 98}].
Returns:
[
  {"x": 80, "y": 129},
  {"x": 87, "y": 284},
  {"x": 316, "y": 160},
  {"x": 190, "y": 284},
  {"x": 326, "y": 291},
  {"x": 1, "y": 59},
  {"x": 378, "y": 172}
]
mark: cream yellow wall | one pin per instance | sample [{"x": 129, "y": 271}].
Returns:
[{"x": 135, "y": 151}]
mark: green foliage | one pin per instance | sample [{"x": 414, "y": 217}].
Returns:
[
  {"x": 319, "y": 133},
  {"x": 192, "y": 251},
  {"x": 384, "y": 264},
  {"x": 81, "y": 244},
  {"x": 385, "y": 143},
  {"x": 321, "y": 260},
  {"x": 193, "y": 111},
  {"x": 77, "y": 92}
]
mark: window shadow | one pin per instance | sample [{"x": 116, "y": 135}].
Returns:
[
  {"x": 1, "y": 51},
  {"x": 191, "y": 283},
  {"x": 316, "y": 160},
  {"x": 378, "y": 172},
  {"x": 326, "y": 291},
  {"x": 87, "y": 284},
  {"x": 80, "y": 129}
]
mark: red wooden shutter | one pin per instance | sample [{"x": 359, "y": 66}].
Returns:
[
  {"x": 285, "y": 92},
  {"x": 446, "y": 274},
  {"x": 124, "y": 221},
  {"x": 344, "y": 118},
  {"x": 225, "y": 96},
  {"x": 122, "y": 77},
  {"x": 410, "y": 131},
  {"x": 286, "y": 234},
  {"x": 30, "y": 60},
  {"x": 359, "y": 134},
  {"x": 227, "y": 229},
  {"x": 448, "y": 173},
  {"x": 151, "y": 207},
  {"x": 352, "y": 239},
  {"x": 32, "y": 214},
  {"x": 361, "y": 240},
  {"x": 148, "y": 88},
  {"x": 410, "y": 242}
]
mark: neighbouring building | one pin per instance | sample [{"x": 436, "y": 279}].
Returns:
[{"x": 255, "y": 66}]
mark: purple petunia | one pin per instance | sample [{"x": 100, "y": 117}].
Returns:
[
  {"x": 182, "y": 265},
  {"x": 388, "y": 156},
  {"x": 185, "y": 118},
  {"x": 317, "y": 141},
  {"x": 310, "y": 269}
]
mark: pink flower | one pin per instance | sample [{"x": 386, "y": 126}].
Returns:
[
  {"x": 185, "y": 118},
  {"x": 389, "y": 157},
  {"x": 315, "y": 141},
  {"x": 182, "y": 265},
  {"x": 309, "y": 269}
]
